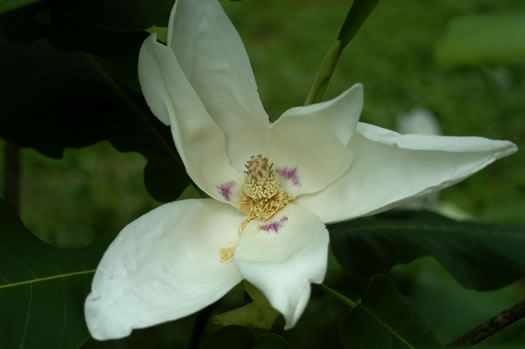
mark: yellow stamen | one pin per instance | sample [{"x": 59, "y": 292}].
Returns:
[
  {"x": 226, "y": 254},
  {"x": 261, "y": 196},
  {"x": 261, "y": 193}
]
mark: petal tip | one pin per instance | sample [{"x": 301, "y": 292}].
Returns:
[{"x": 100, "y": 323}]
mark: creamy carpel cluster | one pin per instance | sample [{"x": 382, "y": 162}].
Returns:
[{"x": 261, "y": 197}]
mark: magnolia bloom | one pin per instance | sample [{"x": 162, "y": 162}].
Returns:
[{"x": 272, "y": 186}]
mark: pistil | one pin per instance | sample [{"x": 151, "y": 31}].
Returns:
[{"x": 261, "y": 196}]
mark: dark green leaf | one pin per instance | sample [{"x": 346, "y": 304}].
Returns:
[
  {"x": 426, "y": 279},
  {"x": 324, "y": 74},
  {"x": 119, "y": 49},
  {"x": 10, "y": 5},
  {"x": 42, "y": 288},
  {"x": 483, "y": 39},
  {"x": 258, "y": 314},
  {"x": 234, "y": 337},
  {"x": 162, "y": 180},
  {"x": 57, "y": 100},
  {"x": 270, "y": 341},
  {"x": 384, "y": 320},
  {"x": 22, "y": 25},
  {"x": 354, "y": 20},
  {"x": 479, "y": 256},
  {"x": 116, "y": 15}
]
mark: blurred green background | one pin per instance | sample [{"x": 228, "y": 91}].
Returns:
[{"x": 93, "y": 192}]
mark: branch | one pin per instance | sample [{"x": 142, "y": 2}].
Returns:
[{"x": 488, "y": 328}]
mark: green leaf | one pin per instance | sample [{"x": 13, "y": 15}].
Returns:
[
  {"x": 483, "y": 39},
  {"x": 76, "y": 101},
  {"x": 270, "y": 341},
  {"x": 10, "y": 5},
  {"x": 479, "y": 256},
  {"x": 22, "y": 25},
  {"x": 324, "y": 74},
  {"x": 258, "y": 314},
  {"x": 116, "y": 15},
  {"x": 354, "y": 19},
  {"x": 426, "y": 279},
  {"x": 119, "y": 49},
  {"x": 234, "y": 337},
  {"x": 42, "y": 288},
  {"x": 384, "y": 320}
]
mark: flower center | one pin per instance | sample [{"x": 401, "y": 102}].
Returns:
[{"x": 261, "y": 196}]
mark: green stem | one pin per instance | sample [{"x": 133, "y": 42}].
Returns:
[{"x": 341, "y": 298}]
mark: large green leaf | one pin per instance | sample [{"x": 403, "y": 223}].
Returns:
[
  {"x": 119, "y": 49},
  {"x": 483, "y": 39},
  {"x": 42, "y": 288},
  {"x": 479, "y": 256},
  {"x": 10, "y": 5},
  {"x": 426, "y": 279},
  {"x": 234, "y": 337},
  {"x": 117, "y": 15},
  {"x": 384, "y": 320},
  {"x": 259, "y": 313},
  {"x": 239, "y": 337},
  {"x": 355, "y": 18},
  {"x": 22, "y": 26},
  {"x": 270, "y": 341},
  {"x": 56, "y": 100}
]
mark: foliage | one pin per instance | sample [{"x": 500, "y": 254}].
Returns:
[
  {"x": 479, "y": 256},
  {"x": 42, "y": 288},
  {"x": 490, "y": 40},
  {"x": 384, "y": 319},
  {"x": 70, "y": 82},
  {"x": 80, "y": 99}
]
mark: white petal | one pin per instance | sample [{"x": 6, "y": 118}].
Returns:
[
  {"x": 282, "y": 256},
  {"x": 163, "y": 266},
  {"x": 388, "y": 169},
  {"x": 200, "y": 142},
  {"x": 213, "y": 57},
  {"x": 308, "y": 144}
]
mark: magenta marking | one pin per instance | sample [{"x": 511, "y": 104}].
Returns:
[
  {"x": 226, "y": 189},
  {"x": 289, "y": 174},
  {"x": 275, "y": 226}
]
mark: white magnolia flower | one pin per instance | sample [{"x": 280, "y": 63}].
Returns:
[{"x": 264, "y": 224}]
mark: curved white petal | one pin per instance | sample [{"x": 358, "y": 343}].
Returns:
[
  {"x": 389, "y": 169},
  {"x": 200, "y": 142},
  {"x": 163, "y": 266},
  {"x": 282, "y": 256},
  {"x": 308, "y": 144},
  {"x": 339, "y": 115},
  {"x": 213, "y": 57}
]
